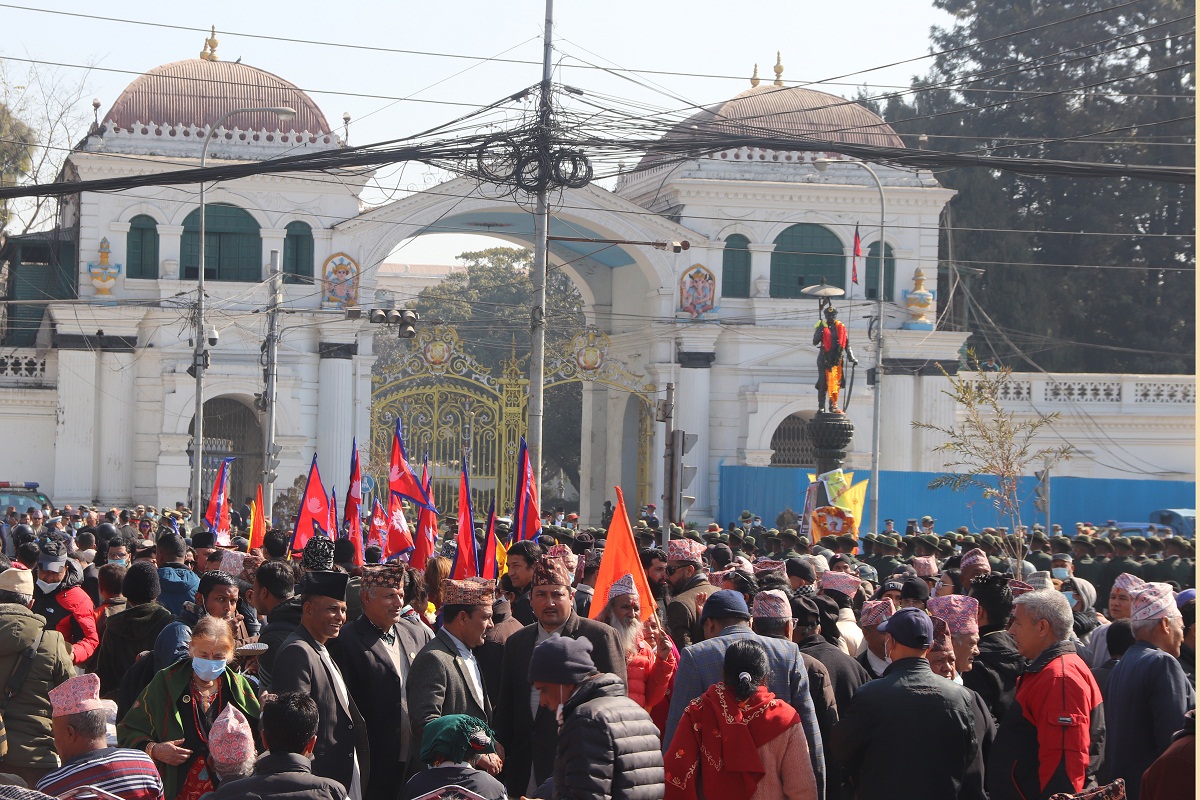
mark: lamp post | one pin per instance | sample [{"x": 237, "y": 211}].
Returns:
[
  {"x": 198, "y": 354},
  {"x": 876, "y": 409}
]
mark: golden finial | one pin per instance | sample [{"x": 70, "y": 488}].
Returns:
[
  {"x": 754, "y": 78},
  {"x": 212, "y": 45},
  {"x": 778, "y": 69}
]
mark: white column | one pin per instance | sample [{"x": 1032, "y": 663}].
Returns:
[
  {"x": 593, "y": 454},
  {"x": 170, "y": 244},
  {"x": 760, "y": 269},
  {"x": 115, "y": 428},
  {"x": 335, "y": 430},
  {"x": 272, "y": 239},
  {"x": 74, "y": 465},
  {"x": 896, "y": 433},
  {"x": 932, "y": 406}
]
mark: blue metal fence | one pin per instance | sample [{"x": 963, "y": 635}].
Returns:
[{"x": 767, "y": 491}]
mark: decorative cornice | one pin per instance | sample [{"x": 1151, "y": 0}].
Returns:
[
  {"x": 343, "y": 350},
  {"x": 114, "y": 344},
  {"x": 695, "y": 360}
]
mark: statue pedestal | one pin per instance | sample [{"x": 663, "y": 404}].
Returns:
[{"x": 830, "y": 434}]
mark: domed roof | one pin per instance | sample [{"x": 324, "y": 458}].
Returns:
[
  {"x": 793, "y": 111},
  {"x": 199, "y": 92}
]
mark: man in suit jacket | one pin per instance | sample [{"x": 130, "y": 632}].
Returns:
[
  {"x": 374, "y": 654},
  {"x": 725, "y": 620},
  {"x": 304, "y": 665},
  {"x": 445, "y": 677},
  {"x": 529, "y": 732}
]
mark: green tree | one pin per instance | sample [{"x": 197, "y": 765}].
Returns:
[
  {"x": 488, "y": 303},
  {"x": 17, "y": 142},
  {"x": 1116, "y": 86}
]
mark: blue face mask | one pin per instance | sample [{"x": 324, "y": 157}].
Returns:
[
  {"x": 1060, "y": 573},
  {"x": 208, "y": 669},
  {"x": 120, "y": 562},
  {"x": 1070, "y": 598}
]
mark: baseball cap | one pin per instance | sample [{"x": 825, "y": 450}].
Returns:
[
  {"x": 910, "y": 627},
  {"x": 724, "y": 604}
]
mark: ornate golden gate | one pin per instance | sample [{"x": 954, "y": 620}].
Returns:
[{"x": 451, "y": 407}]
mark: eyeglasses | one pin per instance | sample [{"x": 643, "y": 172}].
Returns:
[{"x": 673, "y": 570}]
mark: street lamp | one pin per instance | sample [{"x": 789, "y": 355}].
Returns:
[
  {"x": 877, "y": 407},
  {"x": 200, "y": 352}
]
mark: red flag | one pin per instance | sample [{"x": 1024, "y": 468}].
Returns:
[
  {"x": 399, "y": 537},
  {"x": 334, "y": 532},
  {"x": 466, "y": 554},
  {"x": 216, "y": 518},
  {"x": 490, "y": 569},
  {"x": 352, "y": 516},
  {"x": 258, "y": 521},
  {"x": 857, "y": 256},
  {"x": 401, "y": 479},
  {"x": 427, "y": 525},
  {"x": 621, "y": 558},
  {"x": 527, "y": 522},
  {"x": 313, "y": 516},
  {"x": 378, "y": 528}
]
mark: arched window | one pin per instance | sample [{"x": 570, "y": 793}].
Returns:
[
  {"x": 298, "y": 253},
  {"x": 889, "y": 273},
  {"x": 232, "y": 247},
  {"x": 735, "y": 267},
  {"x": 141, "y": 248},
  {"x": 792, "y": 448},
  {"x": 803, "y": 255}
]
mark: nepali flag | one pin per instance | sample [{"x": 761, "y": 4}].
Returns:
[
  {"x": 313, "y": 516},
  {"x": 427, "y": 525},
  {"x": 527, "y": 522},
  {"x": 352, "y": 516},
  {"x": 216, "y": 518},
  {"x": 402, "y": 480},
  {"x": 399, "y": 537},
  {"x": 857, "y": 256},
  {"x": 466, "y": 554},
  {"x": 490, "y": 567},
  {"x": 379, "y": 522},
  {"x": 332, "y": 524}
]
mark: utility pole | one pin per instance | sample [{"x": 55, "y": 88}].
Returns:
[
  {"x": 666, "y": 413},
  {"x": 270, "y": 378},
  {"x": 541, "y": 228}
]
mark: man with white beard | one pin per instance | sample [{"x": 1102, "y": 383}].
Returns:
[{"x": 649, "y": 655}]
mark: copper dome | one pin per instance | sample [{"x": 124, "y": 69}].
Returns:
[{"x": 199, "y": 92}]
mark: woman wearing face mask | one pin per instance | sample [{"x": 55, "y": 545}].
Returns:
[
  {"x": 172, "y": 717},
  {"x": 1081, "y": 596}
]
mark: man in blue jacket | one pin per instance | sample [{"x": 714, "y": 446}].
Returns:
[{"x": 179, "y": 584}]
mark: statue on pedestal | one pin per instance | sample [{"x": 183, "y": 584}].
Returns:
[{"x": 831, "y": 337}]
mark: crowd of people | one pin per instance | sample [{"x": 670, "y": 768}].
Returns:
[{"x": 140, "y": 658}]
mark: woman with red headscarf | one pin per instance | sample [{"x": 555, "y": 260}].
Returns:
[{"x": 738, "y": 740}]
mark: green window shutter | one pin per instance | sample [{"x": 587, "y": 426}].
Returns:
[
  {"x": 871, "y": 283},
  {"x": 141, "y": 248},
  {"x": 735, "y": 267},
  {"x": 803, "y": 255},
  {"x": 298, "y": 254},
  {"x": 233, "y": 245}
]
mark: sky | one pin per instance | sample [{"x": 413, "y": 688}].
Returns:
[{"x": 389, "y": 95}]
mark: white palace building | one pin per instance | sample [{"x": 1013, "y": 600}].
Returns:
[{"x": 96, "y": 403}]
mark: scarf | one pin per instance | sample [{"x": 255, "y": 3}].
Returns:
[{"x": 719, "y": 737}]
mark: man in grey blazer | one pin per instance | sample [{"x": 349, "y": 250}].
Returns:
[{"x": 445, "y": 678}]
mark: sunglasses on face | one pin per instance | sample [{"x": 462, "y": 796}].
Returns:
[{"x": 673, "y": 570}]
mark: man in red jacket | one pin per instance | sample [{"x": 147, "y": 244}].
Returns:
[
  {"x": 1051, "y": 739},
  {"x": 60, "y": 598}
]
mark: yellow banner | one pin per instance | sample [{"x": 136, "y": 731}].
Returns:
[{"x": 854, "y": 498}]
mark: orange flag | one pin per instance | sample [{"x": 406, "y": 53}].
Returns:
[
  {"x": 258, "y": 522},
  {"x": 620, "y": 558}
]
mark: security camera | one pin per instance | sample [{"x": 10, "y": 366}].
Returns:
[{"x": 212, "y": 337}]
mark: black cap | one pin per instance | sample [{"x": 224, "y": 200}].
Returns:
[
  {"x": 910, "y": 627},
  {"x": 325, "y": 584},
  {"x": 914, "y": 588},
  {"x": 799, "y": 568}
]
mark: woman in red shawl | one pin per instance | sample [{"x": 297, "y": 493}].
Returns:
[{"x": 737, "y": 740}]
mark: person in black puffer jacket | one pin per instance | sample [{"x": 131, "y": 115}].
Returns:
[{"x": 607, "y": 744}]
